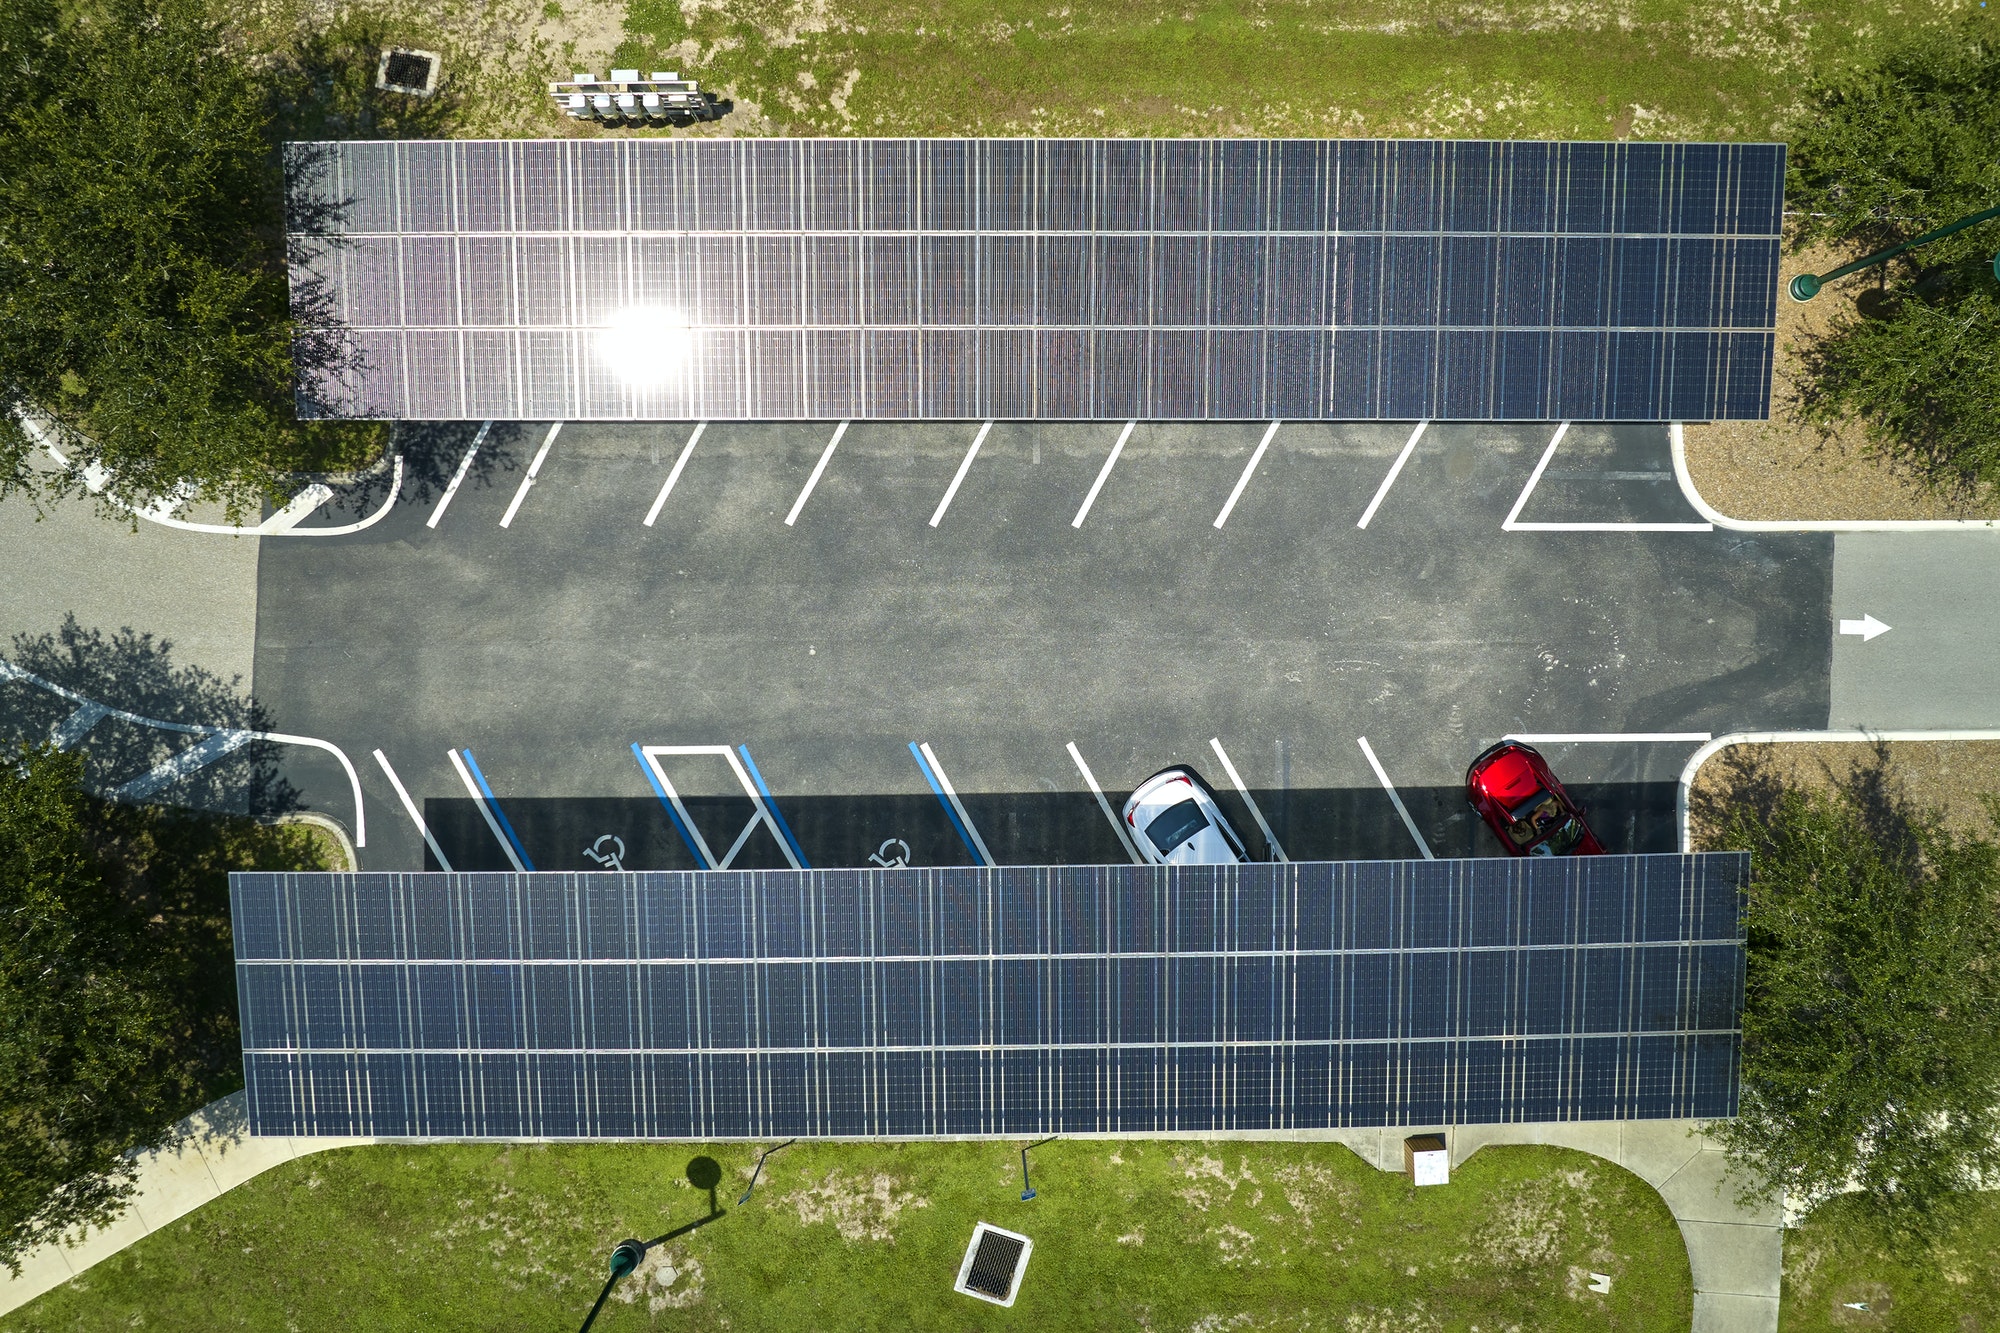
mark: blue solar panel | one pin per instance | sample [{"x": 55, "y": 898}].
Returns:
[
  {"x": 1008, "y": 1001},
  {"x": 1043, "y": 279}
]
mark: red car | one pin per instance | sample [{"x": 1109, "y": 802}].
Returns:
[{"x": 1512, "y": 789}]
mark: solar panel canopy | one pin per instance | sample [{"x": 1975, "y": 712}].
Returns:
[
  {"x": 965, "y": 1002},
  {"x": 1107, "y": 279}
]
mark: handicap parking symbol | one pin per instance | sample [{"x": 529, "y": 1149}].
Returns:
[
  {"x": 892, "y": 855},
  {"x": 612, "y": 857}
]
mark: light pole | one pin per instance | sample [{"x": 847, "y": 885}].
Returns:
[
  {"x": 1027, "y": 1190},
  {"x": 624, "y": 1259},
  {"x": 1806, "y": 285}
]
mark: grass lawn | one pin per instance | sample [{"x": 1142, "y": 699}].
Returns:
[
  {"x": 1497, "y": 68},
  {"x": 1144, "y": 1235},
  {"x": 1837, "y": 1257}
]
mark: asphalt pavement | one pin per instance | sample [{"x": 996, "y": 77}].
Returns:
[{"x": 547, "y": 633}]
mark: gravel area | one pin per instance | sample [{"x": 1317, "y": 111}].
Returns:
[
  {"x": 1950, "y": 776},
  {"x": 1779, "y": 469}
]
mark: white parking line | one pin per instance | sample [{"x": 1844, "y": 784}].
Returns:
[
  {"x": 1103, "y": 474},
  {"x": 951, "y": 794},
  {"x": 410, "y": 808},
  {"x": 464, "y": 466},
  {"x": 486, "y": 811},
  {"x": 813, "y": 480},
  {"x": 1512, "y": 524},
  {"x": 1588, "y": 737},
  {"x": 1368, "y": 752},
  {"x": 1102, "y": 804},
  {"x": 1395, "y": 470},
  {"x": 660, "y": 502},
  {"x": 1248, "y": 468},
  {"x": 1270, "y": 838},
  {"x": 963, "y": 468},
  {"x": 507, "y": 519}
]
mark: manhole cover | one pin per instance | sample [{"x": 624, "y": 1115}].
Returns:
[
  {"x": 994, "y": 1262},
  {"x": 405, "y": 71}
]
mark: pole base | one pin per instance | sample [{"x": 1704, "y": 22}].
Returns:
[{"x": 1804, "y": 287}]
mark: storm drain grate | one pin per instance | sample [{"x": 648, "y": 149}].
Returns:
[
  {"x": 406, "y": 71},
  {"x": 994, "y": 1262}
]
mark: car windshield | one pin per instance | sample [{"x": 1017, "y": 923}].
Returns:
[
  {"x": 1564, "y": 840},
  {"x": 1175, "y": 825},
  {"x": 1535, "y": 817}
]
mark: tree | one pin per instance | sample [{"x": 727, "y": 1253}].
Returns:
[
  {"x": 117, "y": 993},
  {"x": 1871, "y": 1029},
  {"x": 1879, "y": 155},
  {"x": 144, "y": 303}
]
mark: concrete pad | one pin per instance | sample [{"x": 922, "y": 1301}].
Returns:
[
  {"x": 1600, "y": 1138},
  {"x": 1735, "y": 1314},
  {"x": 1654, "y": 1150},
  {"x": 1734, "y": 1259},
  {"x": 1704, "y": 1191},
  {"x": 172, "y": 1184},
  {"x": 196, "y": 589}
]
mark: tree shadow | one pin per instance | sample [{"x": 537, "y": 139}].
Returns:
[
  {"x": 137, "y": 674},
  {"x": 1752, "y": 785}
]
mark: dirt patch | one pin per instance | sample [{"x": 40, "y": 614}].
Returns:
[
  {"x": 1529, "y": 1224},
  {"x": 1948, "y": 776},
  {"x": 859, "y": 1207},
  {"x": 668, "y": 1279},
  {"x": 1779, "y": 469},
  {"x": 1313, "y": 1192},
  {"x": 1211, "y": 1182}
]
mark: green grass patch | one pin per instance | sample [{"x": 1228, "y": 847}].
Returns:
[
  {"x": 1841, "y": 1257},
  {"x": 1128, "y": 1235},
  {"x": 1654, "y": 69}
]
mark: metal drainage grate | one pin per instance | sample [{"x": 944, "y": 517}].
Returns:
[
  {"x": 994, "y": 1262},
  {"x": 406, "y": 71}
]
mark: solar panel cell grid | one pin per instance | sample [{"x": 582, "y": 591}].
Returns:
[
  {"x": 1102, "y": 998},
  {"x": 1104, "y": 244}
]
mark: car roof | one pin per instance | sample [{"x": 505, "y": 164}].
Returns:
[{"x": 1511, "y": 776}]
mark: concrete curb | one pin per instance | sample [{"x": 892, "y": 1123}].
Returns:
[
  {"x": 1707, "y": 511},
  {"x": 1735, "y": 1255}
]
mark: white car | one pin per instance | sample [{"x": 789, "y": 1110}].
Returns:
[{"x": 1175, "y": 822}]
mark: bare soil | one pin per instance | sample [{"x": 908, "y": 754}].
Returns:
[
  {"x": 1947, "y": 776},
  {"x": 1781, "y": 469}
]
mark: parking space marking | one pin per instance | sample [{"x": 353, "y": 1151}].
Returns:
[
  {"x": 677, "y": 813},
  {"x": 1270, "y": 838},
  {"x": 1248, "y": 468},
  {"x": 959, "y": 476},
  {"x": 797, "y": 854},
  {"x": 451, "y": 489},
  {"x": 660, "y": 502},
  {"x": 1395, "y": 470},
  {"x": 507, "y": 519},
  {"x": 1368, "y": 752},
  {"x": 1103, "y": 474},
  {"x": 482, "y": 796},
  {"x": 947, "y": 796},
  {"x": 1512, "y": 524},
  {"x": 410, "y": 808},
  {"x": 819, "y": 468},
  {"x": 1103, "y": 804}
]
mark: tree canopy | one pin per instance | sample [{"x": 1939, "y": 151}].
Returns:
[
  {"x": 1882, "y": 154},
  {"x": 144, "y": 305},
  {"x": 1871, "y": 1032},
  {"x": 117, "y": 991}
]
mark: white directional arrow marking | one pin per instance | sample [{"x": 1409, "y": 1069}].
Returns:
[{"x": 1867, "y": 627}]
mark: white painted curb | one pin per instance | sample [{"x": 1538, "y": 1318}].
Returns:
[
  {"x": 1812, "y": 525},
  {"x": 1708, "y": 751}
]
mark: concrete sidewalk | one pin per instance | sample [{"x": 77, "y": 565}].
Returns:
[{"x": 213, "y": 1154}]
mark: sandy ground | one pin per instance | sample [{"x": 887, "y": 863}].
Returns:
[
  {"x": 1949, "y": 776},
  {"x": 1778, "y": 469}
]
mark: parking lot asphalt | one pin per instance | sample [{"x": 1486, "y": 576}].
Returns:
[{"x": 550, "y": 631}]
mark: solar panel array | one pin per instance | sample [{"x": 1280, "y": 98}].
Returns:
[
  {"x": 770, "y": 279},
  {"x": 989, "y": 1001}
]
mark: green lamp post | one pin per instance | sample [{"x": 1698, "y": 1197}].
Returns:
[{"x": 1806, "y": 285}]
